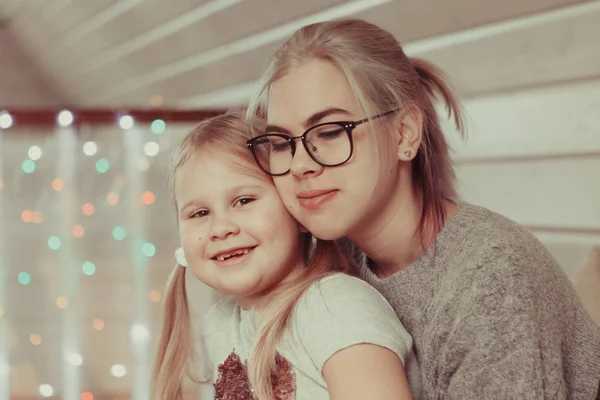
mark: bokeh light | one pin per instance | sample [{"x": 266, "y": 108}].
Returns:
[
  {"x": 1, "y": 184},
  {"x": 58, "y": 184},
  {"x": 90, "y": 148},
  {"x": 35, "y": 153},
  {"x": 119, "y": 233},
  {"x": 148, "y": 198},
  {"x": 78, "y": 231},
  {"x": 126, "y": 122},
  {"x": 1, "y": 312},
  {"x": 75, "y": 359},
  {"x": 24, "y": 278},
  {"x": 65, "y": 118},
  {"x": 156, "y": 100},
  {"x": 155, "y": 296},
  {"x": 27, "y": 216},
  {"x": 87, "y": 396},
  {"x": 98, "y": 324},
  {"x": 102, "y": 165},
  {"x": 6, "y": 120},
  {"x": 62, "y": 302},
  {"x": 88, "y": 268},
  {"x": 112, "y": 198},
  {"x": 88, "y": 209},
  {"x": 28, "y": 166},
  {"x": 46, "y": 390},
  {"x": 118, "y": 370},
  {"x": 54, "y": 242},
  {"x": 35, "y": 339},
  {"x": 151, "y": 149},
  {"x": 158, "y": 126},
  {"x": 148, "y": 249}
]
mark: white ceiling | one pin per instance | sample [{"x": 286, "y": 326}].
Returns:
[
  {"x": 207, "y": 53},
  {"x": 195, "y": 54}
]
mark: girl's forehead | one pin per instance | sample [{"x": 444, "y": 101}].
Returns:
[{"x": 214, "y": 171}]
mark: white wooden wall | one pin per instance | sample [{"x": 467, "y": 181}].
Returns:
[{"x": 534, "y": 156}]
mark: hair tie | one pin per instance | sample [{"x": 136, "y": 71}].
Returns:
[{"x": 180, "y": 257}]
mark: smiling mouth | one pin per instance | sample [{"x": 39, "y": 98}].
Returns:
[{"x": 239, "y": 253}]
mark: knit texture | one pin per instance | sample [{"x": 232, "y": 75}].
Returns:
[{"x": 493, "y": 316}]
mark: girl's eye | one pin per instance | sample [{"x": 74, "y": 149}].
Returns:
[
  {"x": 199, "y": 214},
  {"x": 244, "y": 201}
]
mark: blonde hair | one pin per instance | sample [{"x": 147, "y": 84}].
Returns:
[
  {"x": 382, "y": 78},
  {"x": 229, "y": 133}
]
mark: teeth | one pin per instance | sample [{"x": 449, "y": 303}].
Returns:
[{"x": 224, "y": 257}]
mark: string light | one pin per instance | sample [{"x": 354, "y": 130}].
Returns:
[
  {"x": 102, "y": 165},
  {"x": 148, "y": 198},
  {"x": 28, "y": 166},
  {"x": 35, "y": 339},
  {"x": 87, "y": 396},
  {"x": 24, "y": 278},
  {"x": 90, "y": 148},
  {"x": 6, "y": 120},
  {"x": 75, "y": 359},
  {"x": 126, "y": 122},
  {"x": 148, "y": 249},
  {"x": 27, "y": 216},
  {"x": 88, "y": 268},
  {"x": 54, "y": 243},
  {"x": 35, "y": 153},
  {"x": 98, "y": 324},
  {"x": 112, "y": 198},
  {"x": 156, "y": 100},
  {"x": 151, "y": 149},
  {"x": 155, "y": 296},
  {"x": 46, "y": 390},
  {"x": 78, "y": 231},
  {"x": 158, "y": 126},
  {"x": 65, "y": 118},
  {"x": 58, "y": 184},
  {"x": 62, "y": 302},
  {"x": 118, "y": 370},
  {"x": 119, "y": 233},
  {"x": 88, "y": 209}
]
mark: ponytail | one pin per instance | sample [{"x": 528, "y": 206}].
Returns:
[
  {"x": 275, "y": 317},
  {"x": 434, "y": 81},
  {"x": 175, "y": 345},
  {"x": 432, "y": 167}
]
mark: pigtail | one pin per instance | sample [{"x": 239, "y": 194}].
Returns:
[{"x": 175, "y": 345}]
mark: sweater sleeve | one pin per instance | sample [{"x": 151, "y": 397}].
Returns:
[{"x": 493, "y": 349}]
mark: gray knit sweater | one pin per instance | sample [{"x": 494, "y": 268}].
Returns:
[{"x": 494, "y": 317}]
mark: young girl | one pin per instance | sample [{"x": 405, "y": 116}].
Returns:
[
  {"x": 294, "y": 323},
  {"x": 357, "y": 152}
]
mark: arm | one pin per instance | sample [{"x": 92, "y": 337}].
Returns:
[{"x": 366, "y": 371}]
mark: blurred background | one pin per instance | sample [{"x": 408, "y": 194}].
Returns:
[{"x": 95, "y": 94}]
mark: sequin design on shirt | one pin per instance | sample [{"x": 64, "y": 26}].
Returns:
[{"x": 233, "y": 382}]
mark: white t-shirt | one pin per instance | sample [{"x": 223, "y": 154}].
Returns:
[{"x": 334, "y": 313}]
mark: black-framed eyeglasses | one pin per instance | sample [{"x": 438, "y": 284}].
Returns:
[{"x": 329, "y": 144}]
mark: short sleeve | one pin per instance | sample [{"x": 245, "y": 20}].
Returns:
[{"x": 340, "y": 311}]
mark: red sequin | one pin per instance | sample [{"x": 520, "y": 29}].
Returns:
[{"x": 233, "y": 382}]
